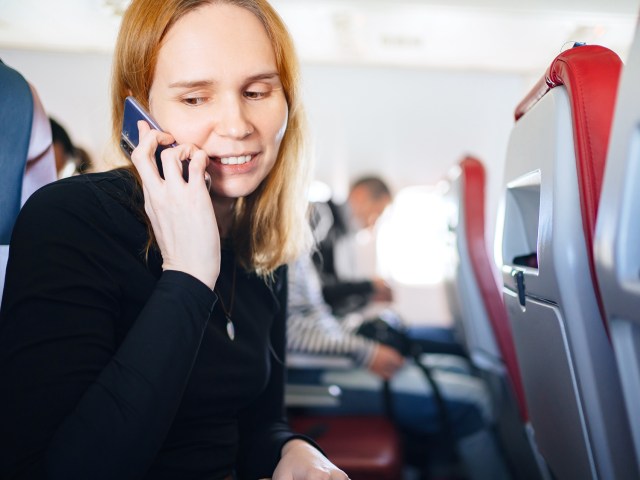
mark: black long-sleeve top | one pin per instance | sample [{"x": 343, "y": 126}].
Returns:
[{"x": 113, "y": 369}]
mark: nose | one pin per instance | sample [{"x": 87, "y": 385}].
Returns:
[{"x": 232, "y": 118}]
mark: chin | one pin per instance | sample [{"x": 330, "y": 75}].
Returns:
[{"x": 234, "y": 189}]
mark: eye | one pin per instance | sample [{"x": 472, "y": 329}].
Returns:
[
  {"x": 257, "y": 90},
  {"x": 194, "y": 101},
  {"x": 255, "y": 95}
]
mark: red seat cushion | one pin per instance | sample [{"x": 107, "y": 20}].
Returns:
[{"x": 365, "y": 447}]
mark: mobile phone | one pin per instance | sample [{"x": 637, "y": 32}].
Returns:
[{"x": 129, "y": 137}]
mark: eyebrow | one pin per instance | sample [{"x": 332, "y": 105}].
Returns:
[
  {"x": 191, "y": 84},
  {"x": 209, "y": 83},
  {"x": 264, "y": 76}
]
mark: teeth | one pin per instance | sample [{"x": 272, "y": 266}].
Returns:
[{"x": 235, "y": 160}]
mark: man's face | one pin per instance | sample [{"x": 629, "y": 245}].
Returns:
[{"x": 365, "y": 209}]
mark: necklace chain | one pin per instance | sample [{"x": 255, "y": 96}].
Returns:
[{"x": 231, "y": 331}]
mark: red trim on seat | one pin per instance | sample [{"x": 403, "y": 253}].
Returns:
[
  {"x": 590, "y": 74},
  {"x": 536, "y": 93},
  {"x": 473, "y": 174},
  {"x": 366, "y": 447}
]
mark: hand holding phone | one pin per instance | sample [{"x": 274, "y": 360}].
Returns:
[
  {"x": 181, "y": 216},
  {"x": 129, "y": 136}
]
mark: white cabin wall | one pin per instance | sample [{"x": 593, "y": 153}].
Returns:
[{"x": 409, "y": 125}]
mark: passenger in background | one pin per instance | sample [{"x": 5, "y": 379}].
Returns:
[
  {"x": 313, "y": 329},
  {"x": 70, "y": 160},
  {"x": 335, "y": 228}
]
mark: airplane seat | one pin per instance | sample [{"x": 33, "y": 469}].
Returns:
[
  {"x": 366, "y": 447},
  {"x": 481, "y": 317},
  {"x": 616, "y": 240},
  {"x": 26, "y": 154},
  {"x": 553, "y": 174}
]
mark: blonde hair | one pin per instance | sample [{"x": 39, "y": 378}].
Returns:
[{"x": 270, "y": 225}]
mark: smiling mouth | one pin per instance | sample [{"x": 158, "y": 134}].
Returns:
[{"x": 239, "y": 160}]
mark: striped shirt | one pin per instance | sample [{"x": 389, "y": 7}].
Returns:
[{"x": 311, "y": 327}]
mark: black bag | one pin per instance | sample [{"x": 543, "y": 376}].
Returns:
[
  {"x": 389, "y": 331},
  {"x": 392, "y": 335}
]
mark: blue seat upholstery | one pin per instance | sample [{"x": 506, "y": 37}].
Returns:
[
  {"x": 26, "y": 154},
  {"x": 16, "y": 116}
]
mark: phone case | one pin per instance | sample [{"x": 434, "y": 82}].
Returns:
[{"x": 129, "y": 138}]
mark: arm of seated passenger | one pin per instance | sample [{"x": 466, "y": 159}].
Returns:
[
  {"x": 311, "y": 327},
  {"x": 347, "y": 296}
]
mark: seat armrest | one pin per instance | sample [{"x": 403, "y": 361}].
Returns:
[
  {"x": 300, "y": 395},
  {"x": 305, "y": 360}
]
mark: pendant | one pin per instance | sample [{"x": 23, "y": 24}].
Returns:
[{"x": 231, "y": 331}]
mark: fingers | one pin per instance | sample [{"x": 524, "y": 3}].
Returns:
[
  {"x": 395, "y": 366},
  {"x": 391, "y": 370},
  {"x": 197, "y": 168},
  {"x": 382, "y": 291},
  {"x": 386, "y": 361},
  {"x": 301, "y": 461},
  {"x": 173, "y": 158},
  {"x": 395, "y": 362},
  {"x": 143, "y": 156},
  {"x": 173, "y": 162}
]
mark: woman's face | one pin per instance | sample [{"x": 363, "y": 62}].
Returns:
[{"x": 216, "y": 85}]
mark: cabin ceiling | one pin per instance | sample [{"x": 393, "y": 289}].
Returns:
[{"x": 519, "y": 36}]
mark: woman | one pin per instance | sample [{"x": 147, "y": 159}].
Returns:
[{"x": 142, "y": 328}]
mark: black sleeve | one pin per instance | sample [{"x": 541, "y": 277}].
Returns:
[
  {"x": 344, "y": 297},
  {"x": 81, "y": 405},
  {"x": 263, "y": 425}
]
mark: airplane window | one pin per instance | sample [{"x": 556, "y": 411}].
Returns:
[{"x": 412, "y": 238}]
